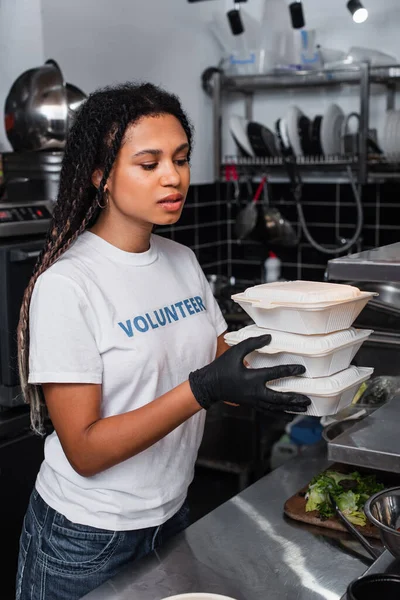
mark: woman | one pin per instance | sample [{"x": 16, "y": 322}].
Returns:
[{"x": 121, "y": 342}]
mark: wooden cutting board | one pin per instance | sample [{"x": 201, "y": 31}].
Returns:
[{"x": 295, "y": 508}]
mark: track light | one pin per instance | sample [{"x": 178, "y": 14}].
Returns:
[
  {"x": 360, "y": 14},
  {"x": 296, "y": 14}
]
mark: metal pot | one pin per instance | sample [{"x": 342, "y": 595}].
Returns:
[
  {"x": 374, "y": 587},
  {"x": 36, "y": 109}
]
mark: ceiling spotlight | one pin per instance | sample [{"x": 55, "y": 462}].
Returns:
[
  {"x": 360, "y": 14},
  {"x": 296, "y": 15}
]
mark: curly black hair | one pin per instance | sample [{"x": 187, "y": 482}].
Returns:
[{"x": 93, "y": 143}]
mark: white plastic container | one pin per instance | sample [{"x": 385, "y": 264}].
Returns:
[
  {"x": 322, "y": 356},
  {"x": 328, "y": 395},
  {"x": 306, "y": 319},
  {"x": 301, "y": 292}
]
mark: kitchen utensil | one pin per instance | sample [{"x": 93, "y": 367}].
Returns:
[
  {"x": 306, "y": 319},
  {"x": 246, "y": 219},
  {"x": 383, "y": 511},
  {"x": 331, "y": 130},
  {"x": 372, "y": 587},
  {"x": 263, "y": 223},
  {"x": 374, "y": 553},
  {"x": 238, "y": 128},
  {"x": 262, "y": 140},
  {"x": 273, "y": 228},
  {"x": 322, "y": 356},
  {"x": 328, "y": 395},
  {"x": 36, "y": 109}
]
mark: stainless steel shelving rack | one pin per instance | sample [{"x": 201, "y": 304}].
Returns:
[{"x": 317, "y": 169}]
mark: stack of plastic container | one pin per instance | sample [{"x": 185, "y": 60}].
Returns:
[{"x": 310, "y": 324}]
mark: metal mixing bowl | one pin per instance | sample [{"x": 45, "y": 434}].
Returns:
[
  {"x": 36, "y": 109},
  {"x": 383, "y": 511}
]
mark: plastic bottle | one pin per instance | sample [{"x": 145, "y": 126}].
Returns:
[{"x": 272, "y": 268}]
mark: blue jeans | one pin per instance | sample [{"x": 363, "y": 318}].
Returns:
[{"x": 60, "y": 560}]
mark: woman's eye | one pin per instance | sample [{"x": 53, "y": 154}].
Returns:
[
  {"x": 149, "y": 167},
  {"x": 181, "y": 162}
]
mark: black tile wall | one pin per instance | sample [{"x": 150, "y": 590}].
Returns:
[
  {"x": 203, "y": 227},
  {"x": 207, "y": 226}
]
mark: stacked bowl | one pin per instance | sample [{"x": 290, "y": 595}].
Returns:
[{"x": 310, "y": 323}]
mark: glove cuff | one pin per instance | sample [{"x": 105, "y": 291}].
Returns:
[{"x": 199, "y": 388}]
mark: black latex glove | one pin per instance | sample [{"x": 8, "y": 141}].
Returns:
[{"x": 226, "y": 378}]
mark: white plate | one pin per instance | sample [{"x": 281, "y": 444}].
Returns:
[
  {"x": 396, "y": 141},
  {"x": 390, "y": 133},
  {"x": 331, "y": 130},
  {"x": 238, "y": 128},
  {"x": 283, "y": 130},
  {"x": 384, "y": 142},
  {"x": 292, "y": 118}
]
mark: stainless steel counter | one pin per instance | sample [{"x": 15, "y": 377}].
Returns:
[
  {"x": 374, "y": 442},
  {"x": 379, "y": 264},
  {"x": 386, "y": 563},
  {"x": 248, "y": 550}
]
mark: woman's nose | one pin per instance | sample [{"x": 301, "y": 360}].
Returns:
[{"x": 170, "y": 175}]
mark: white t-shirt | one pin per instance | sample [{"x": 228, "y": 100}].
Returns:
[{"x": 137, "y": 324}]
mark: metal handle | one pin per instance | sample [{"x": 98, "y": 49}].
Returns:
[
  {"x": 351, "y": 529},
  {"x": 21, "y": 256},
  {"x": 345, "y": 131}
]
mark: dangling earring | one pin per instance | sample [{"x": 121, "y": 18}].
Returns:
[{"x": 105, "y": 198}]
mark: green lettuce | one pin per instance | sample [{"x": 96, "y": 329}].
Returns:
[{"x": 350, "y": 492}]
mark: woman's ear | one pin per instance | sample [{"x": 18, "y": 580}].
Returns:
[{"x": 97, "y": 177}]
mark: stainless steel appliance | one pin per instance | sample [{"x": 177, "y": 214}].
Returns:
[
  {"x": 26, "y": 205},
  {"x": 17, "y": 260}
]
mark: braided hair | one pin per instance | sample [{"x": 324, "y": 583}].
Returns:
[{"x": 93, "y": 143}]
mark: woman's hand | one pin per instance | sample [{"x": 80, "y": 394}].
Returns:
[{"x": 228, "y": 377}]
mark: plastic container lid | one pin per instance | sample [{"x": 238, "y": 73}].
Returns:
[
  {"x": 301, "y": 292},
  {"x": 310, "y": 345},
  {"x": 322, "y": 386}
]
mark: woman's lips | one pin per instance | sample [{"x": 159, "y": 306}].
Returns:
[{"x": 173, "y": 202}]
